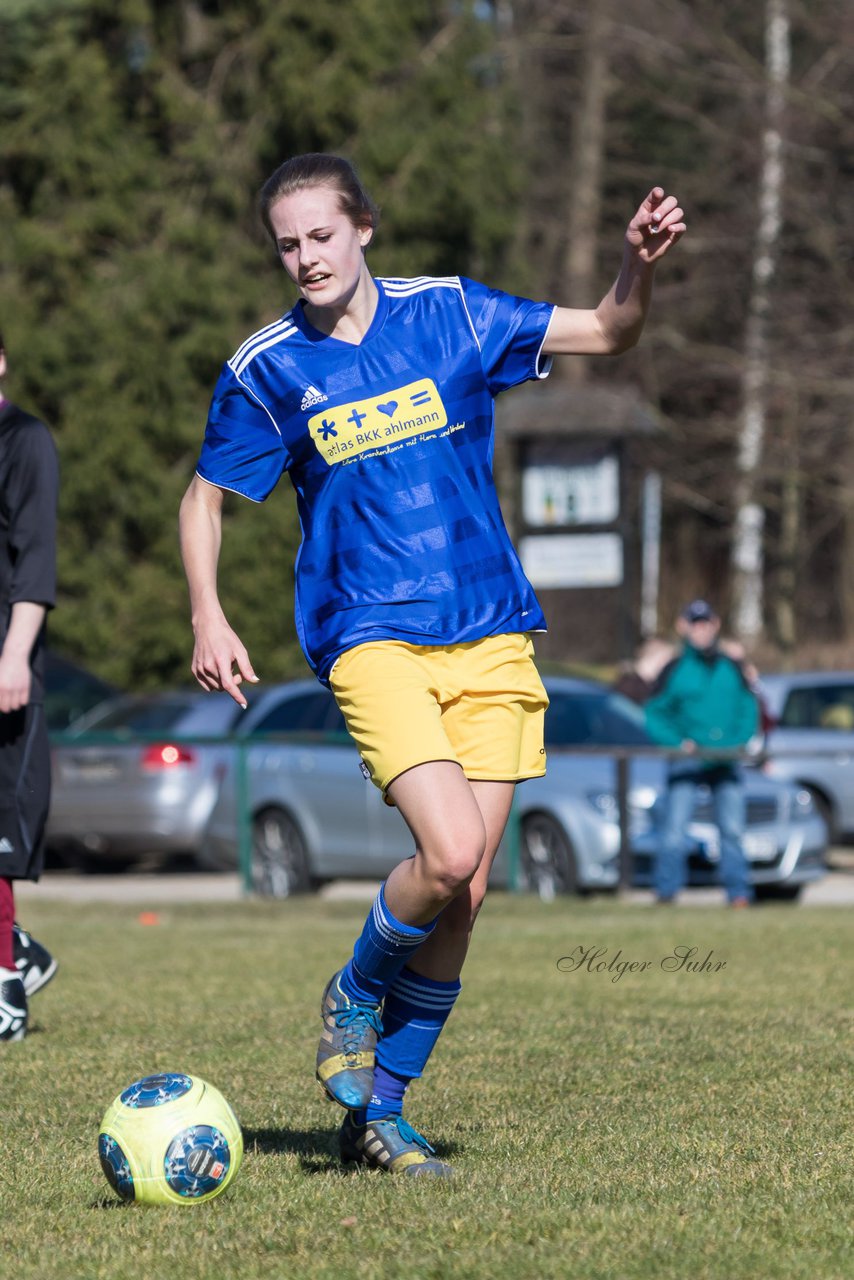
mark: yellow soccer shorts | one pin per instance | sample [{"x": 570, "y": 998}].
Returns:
[{"x": 479, "y": 704}]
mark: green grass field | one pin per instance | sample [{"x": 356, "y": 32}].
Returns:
[{"x": 656, "y": 1124}]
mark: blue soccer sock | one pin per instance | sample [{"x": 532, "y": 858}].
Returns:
[
  {"x": 386, "y": 1096},
  {"x": 381, "y": 951},
  {"x": 415, "y": 1011}
]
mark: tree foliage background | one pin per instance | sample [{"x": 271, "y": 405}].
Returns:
[{"x": 134, "y": 135}]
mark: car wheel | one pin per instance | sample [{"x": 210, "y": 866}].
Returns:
[
  {"x": 280, "y": 865},
  {"x": 101, "y": 864},
  {"x": 824, "y": 808},
  {"x": 778, "y": 892},
  {"x": 547, "y": 856}
]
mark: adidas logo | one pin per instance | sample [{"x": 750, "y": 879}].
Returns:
[
  {"x": 6, "y": 845},
  {"x": 312, "y": 397}
]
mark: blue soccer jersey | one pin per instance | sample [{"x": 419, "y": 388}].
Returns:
[{"x": 389, "y": 447}]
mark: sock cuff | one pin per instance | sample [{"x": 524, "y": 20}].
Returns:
[
  {"x": 415, "y": 1011},
  {"x": 427, "y": 993},
  {"x": 394, "y": 931}
]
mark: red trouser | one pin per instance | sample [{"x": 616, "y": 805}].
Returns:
[{"x": 7, "y": 919}]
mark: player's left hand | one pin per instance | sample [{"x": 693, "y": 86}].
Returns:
[
  {"x": 15, "y": 682},
  {"x": 656, "y": 227}
]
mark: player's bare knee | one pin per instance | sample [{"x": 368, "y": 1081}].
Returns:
[
  {"x": 453, "y": 878},
  {"x": 451, "y": 870}
]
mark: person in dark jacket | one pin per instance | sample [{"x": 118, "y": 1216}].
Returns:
[
  {"x": 702, "y": 702},
  {"x": 29, "y": 483}
]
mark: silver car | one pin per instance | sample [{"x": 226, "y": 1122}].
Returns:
[
  {"x": 812, "y": 741},
  {"x": 312, "y": 815},
  {"x": 130, "y": 778}
]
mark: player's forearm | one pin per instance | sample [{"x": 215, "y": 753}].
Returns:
[
  {"x": 24, "y": 626},
  {"x": 622, "y": 313},
  {"x": 200, "y": 530},
  {"x": 614, "y": 326}
]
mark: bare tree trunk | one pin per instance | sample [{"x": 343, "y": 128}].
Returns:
[
  {"x": 541, "y": 59},
  {"x": 785, "y": 612},
  {"x": 748, "y": 541},
  {"x": 587, "y": 161},
  {"x": 845, "y": 578}
]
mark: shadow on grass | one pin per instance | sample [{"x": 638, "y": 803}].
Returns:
[
  {"x": 111, "y": 1202},
  {"x": 317, "y": 1148}
]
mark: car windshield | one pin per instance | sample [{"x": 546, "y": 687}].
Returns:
[
  {"x": 71, "y": 691},
  {"x": 827, "y": 706},
  {"x": 597, "y": 719},
  {"x": 140, "y": 715},
  {"x": 312, "y": 712}
]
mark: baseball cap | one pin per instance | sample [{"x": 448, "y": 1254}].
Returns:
[{"x": 699, "y": 611}]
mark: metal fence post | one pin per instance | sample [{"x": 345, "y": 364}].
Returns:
[
  {"x": 512, "y": 842},
  {"x": 244, "y": 818},
  {"x": 514, "y": 837},
  {"x": 621, "y": 768}
]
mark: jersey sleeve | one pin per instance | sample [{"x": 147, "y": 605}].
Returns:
[
  {"x": 31, "y": 498},
  {"x": 510, "y": 333},
  {"x": 243, "y": 449}
]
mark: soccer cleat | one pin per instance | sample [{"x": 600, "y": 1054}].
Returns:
[
  {"x": 13, "y": 1007},
  {"x": 392, "y": 1145},
  {"x": 345, "y": 1055},
  {"x": 35, "y": 965}
]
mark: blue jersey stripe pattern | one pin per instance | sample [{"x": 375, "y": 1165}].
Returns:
[{"x": 389, "y": 448}]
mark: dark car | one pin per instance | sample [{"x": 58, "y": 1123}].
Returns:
[{"x": 70, "y": 691}]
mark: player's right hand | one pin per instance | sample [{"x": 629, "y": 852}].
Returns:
[{"x": 216, "y": 654}]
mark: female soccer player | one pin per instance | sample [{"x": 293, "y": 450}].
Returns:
[{"x": 377, "y": 397}]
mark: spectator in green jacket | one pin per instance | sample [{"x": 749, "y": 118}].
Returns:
[{"x": 702, "y": 702}]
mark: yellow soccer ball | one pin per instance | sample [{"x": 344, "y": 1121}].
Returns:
[{"x": 170, "y": 1139}]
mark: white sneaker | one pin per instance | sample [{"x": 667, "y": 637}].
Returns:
[
  {"x": 35, "y": 965},
  {"x": 13, "y": 1006}
]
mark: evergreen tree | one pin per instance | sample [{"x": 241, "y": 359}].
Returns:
[
  {"x": 135, "y": 133},
  {"x": 133, "y": 137}
]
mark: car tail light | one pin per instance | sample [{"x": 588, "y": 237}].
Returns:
[{"x": 166, "y": 755}]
